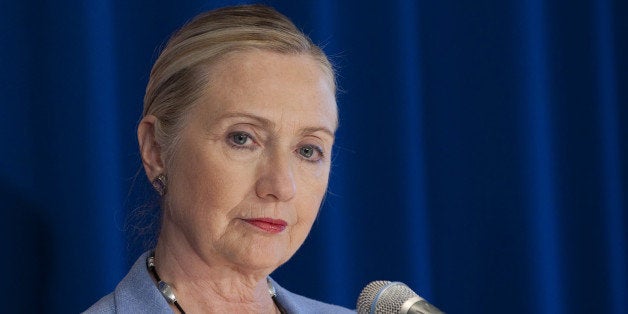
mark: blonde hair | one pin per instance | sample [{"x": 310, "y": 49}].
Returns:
[{"x": 179, "y": 75}]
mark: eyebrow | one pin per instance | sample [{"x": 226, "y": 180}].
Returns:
[
  {"x": 271, "y": 125},
  {"x": 263, "y": 121},
  {"x": 311, "y": 130}
]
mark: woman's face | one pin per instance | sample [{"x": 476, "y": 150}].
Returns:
[{"x": 252, "y": 165}]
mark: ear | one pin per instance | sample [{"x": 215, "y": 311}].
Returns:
[{"x": 149, "y": 148}]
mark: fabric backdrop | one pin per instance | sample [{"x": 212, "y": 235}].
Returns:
[{"x": 481, "y": 155}]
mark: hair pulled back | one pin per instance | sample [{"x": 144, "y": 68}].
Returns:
[{"x": 179, "y": 76}]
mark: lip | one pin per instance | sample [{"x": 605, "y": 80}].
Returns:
[{"x": 269, "y": 225}]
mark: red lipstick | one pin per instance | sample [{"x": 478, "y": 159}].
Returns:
[{"x": 268, "y": 224}]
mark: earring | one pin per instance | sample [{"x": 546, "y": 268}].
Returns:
[{"x": 160, "y": 184}]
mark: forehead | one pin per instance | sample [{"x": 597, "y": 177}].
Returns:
[{"x": 267, "y": 84}]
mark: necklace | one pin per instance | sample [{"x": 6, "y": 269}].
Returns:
[{"x": 168, "y": 293}]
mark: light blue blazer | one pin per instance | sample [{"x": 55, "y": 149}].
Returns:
[{"x": 137, "y": 293}]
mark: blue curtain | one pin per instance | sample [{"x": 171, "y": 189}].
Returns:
[{"x": 481, "y": 155}]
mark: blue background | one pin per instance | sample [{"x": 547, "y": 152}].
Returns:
[{"x": 481, "y": 156}]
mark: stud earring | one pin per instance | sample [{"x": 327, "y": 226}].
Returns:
[{"x": 160, "y": 184}]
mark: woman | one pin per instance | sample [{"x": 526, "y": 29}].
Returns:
[{"x": 236, "y": 136}]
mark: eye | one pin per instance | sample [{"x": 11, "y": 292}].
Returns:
[
  {"x": 306, "y": 151},
  {"x": 240, "y": 140},
  {"x": 311, "y": 153}
]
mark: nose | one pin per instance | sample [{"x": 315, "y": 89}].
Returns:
[{"x": 276, "y": 181}]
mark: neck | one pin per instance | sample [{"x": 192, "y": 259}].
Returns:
[{"x": 204, "y": 285}]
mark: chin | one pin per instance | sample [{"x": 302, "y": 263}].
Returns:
[
  {"x": 265, "y": 265},
  {"x": 270, "y": 261}
]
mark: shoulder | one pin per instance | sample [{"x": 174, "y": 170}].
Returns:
[
  {"x": 295, "y": 303},
  {"x": 136, "y": 293},
  {"x": 104, "y": 305}
]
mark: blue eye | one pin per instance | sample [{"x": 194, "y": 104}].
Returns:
[
  {"x": 310, "y": 153},
  {"x": 239, "y": 138}
]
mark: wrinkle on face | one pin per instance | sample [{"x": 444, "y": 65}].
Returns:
[{"x": 284, "y": 101}]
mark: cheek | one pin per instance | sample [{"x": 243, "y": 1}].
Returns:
[
  {"x": 207, "y": 185},
  {"x": 315, "y": 179},
  {"x": 313, "y": 188}
]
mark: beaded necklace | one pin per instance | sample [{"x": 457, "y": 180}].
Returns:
[{"x": 168, "y": 293}]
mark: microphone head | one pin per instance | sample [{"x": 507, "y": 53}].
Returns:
[{"x": 385, "y": 297}]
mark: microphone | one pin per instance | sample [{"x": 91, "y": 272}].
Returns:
[{"x": 385, "y": 297}]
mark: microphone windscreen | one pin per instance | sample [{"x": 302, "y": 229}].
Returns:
[
  {"x": 368, "y": 294},
  {"x": 384, "y": 297}
]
